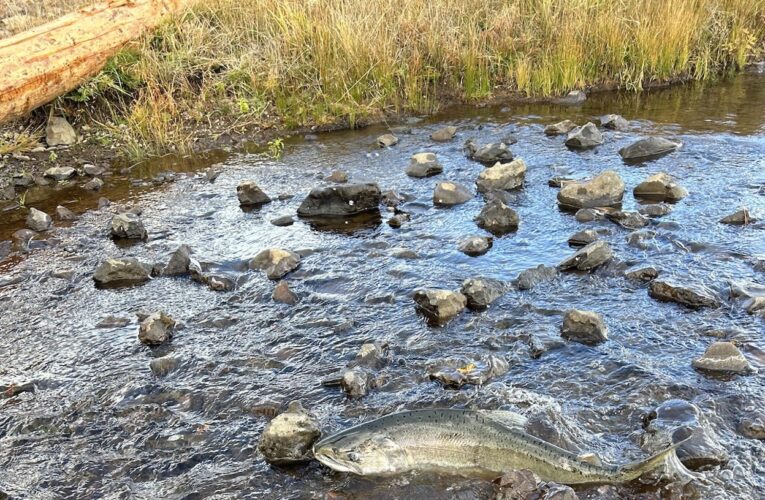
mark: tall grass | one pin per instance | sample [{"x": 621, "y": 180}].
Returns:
[{"x": 298, "y": 62}]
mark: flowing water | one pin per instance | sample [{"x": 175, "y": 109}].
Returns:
[{"x": 100, "y": 425}]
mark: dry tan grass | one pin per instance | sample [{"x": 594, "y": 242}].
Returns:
[{"x": 20, "y": 15}]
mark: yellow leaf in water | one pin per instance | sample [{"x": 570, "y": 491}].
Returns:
[{"x": 467, "y": 368}]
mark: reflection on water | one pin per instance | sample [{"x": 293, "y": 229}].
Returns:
[{"x": 100, "y": 424}]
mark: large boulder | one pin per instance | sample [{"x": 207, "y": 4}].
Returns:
[
  {"x": 60, "y": 173},
  {"x": 341, "y": 201},
  {"x": 586, "y": 136},
  {"x": 58, "y": 132},
  {"x": 502, "y": 176},
  {"x": 613, "y": 122},
  {"x": 288, "y": 438},
  {"x": 650, "y": 147},
  {"x": 589, "y": 257},
  {"x": 585, "y": 327},
  {"x": 444, "y": 134},
  {"x": 560, "y": 128},
  {"x": 424, "y": 165},
  {"x": 475, "y": 246},
  {"x": 439, "y": 306},
  {"x": 128, "y": 226},
  {"x": 156, "y": 329},
  {"x": 490, "y": 153},
  {"x": 276, "y": 262},
  {"x": 481, "y": 292},
  {"x": 121, "y": 272},
  {"x": 722, "y": 357},
  {"x": 605, "y": 190},
  {"x": 250, "y": 194},
  {"x": 497, "y": 218},
  {"x": 691, "y": 296},
  {"x": 37, "y": 220},
  {"x": 660, "y": 187},
  {"x": 447, "y": 194}
]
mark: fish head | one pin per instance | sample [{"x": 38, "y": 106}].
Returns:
[{"x": 360, "y": 453}]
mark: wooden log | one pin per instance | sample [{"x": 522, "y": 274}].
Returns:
[{"x": 40, "y": 64}]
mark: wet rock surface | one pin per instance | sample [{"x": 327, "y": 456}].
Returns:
[
  {"x": 560, "y": 128},
  {"x": 605, "y": 190},
  {"x": 341, "y": 201},
  {"x": 722, "y": 357},
  {"x": 660, "y": 187},
  {"x": 530, "y": 278},
  {"x": 586, "y": 136},
  {"x": 613, "y": 122},
  {"x": 424, "y": 165},
  {"x": 156, "y": 329},
  {"x": 497, "y": 218},
  {"x": 589, "y": 257},
  {"x": 490, "y": 153},
  {"x": 585, "y": 327},
  {"x": 121, "y": 272},
  {"x": 444, "y": 134},
  {"x": 481, "y": 292},
  {"x": 475, "y": 246},
  {"x": 647, "y": 148},
  {"x": 250, "y": 194},
  {"x": 128, "y": 226},
  {"x": 439, "y": 306},
  {"x": 448, "y": 194},
  {"x": 276, "y": 262},
  {"x": 691, "y": 296},
  {"x": 502, "y": 176},
  {"x": 289, "y": 436}
]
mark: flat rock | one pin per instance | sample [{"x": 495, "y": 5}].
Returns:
[
  {"x": 341, "y": 201},
  {"x": 560, "y": 128},
  {"x": 250, "y": 194},
  {"x": 448, "y": 194},
  {"x": 424, "y": 165},
  {"x": 276, "y": 262},
  {"x": 121, "y": 273},
  {"x": 613, "y": 122},
  {"x": 398, "y": 220},
  {"x": 660, "y": 187},
  {"x": 589, "y": 257},
  {"x": 585, "y": 237},
  {"x": 497, "y": 218},
  {"x": 127, "y": 226},
  {"x": 650, "y": 147},
  {"x": 502, "y": 176},
  {"x": 387, "y": 140},
  {"x": 58, "y": 132},
  {"x": 530, "y": 278},
  {"x": 289, "y": 436},
  {"x": 94, "y": 184},
  {"x": 586, "y": 136},
  {"x": 38, "y": 220},
  {"x": 723, "y": 357},
  {"x": 655, "y": 210},
  {"x": 439, "y": 306},
  {"x": 481, "y": 292},
  {"x": 573, "y": 98},
  {"x": 60, "y": 173},
  {"x": 444, "y": 134},
  {"x": 453, "y": 373},
  {"x": 605, "y": 190},
  {"x": 691, "y": 296},
  {"x": 283, "y": 221},
  {"x": 22, "y": 180},
  {"x": 92, "y": 170},
  {"x": 156, "y": 329},
  {"x": 585, "y": 327},
  {"x": 475, "y": 246}
]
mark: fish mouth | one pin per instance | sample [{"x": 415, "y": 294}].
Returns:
[{"x": 341, "y": 466}]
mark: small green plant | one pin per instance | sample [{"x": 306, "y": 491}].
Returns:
[
  {"x": 22, "y": 199},
  {"x": 275, "y": 148},
  {"x": 52, "y": 156}
]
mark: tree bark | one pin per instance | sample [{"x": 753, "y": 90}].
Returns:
[{"x": 40, "y": 64}]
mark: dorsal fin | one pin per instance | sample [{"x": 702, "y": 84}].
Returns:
[{"x": 506, "y": 418}]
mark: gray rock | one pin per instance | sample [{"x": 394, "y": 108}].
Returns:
[
  {"x": 642, "y": 273},
  {"x": 92, "y": 170},
  {"x": 589, "y": 257},
  {"x": 404, "y": 253},
  {"x": 283, "y": 221},
  {"x": 722, "y": 357},
  {"x": 163, "y": 366},
  {"x": 555, "y": 491},
  {"x": 641, "y": 239},
  {"x": 572, "y": 98},
  {"x": 60, "y": 173},
  {"x": 337, "y": 176},
  {"x": 628, "y": 220},
  {"x": 391, "y": 198},
  {"x": 276, "y": 262},
  {"x": 398, "y": 220},
  {"x": 38, "y": 220},
  {"x": 444, "y": 134},
  {"x": 371, "y": 355},
  {"x": 453, "y": 373},
  {"x": 613, "y": 122},
  {"x": 589, "y": 215},
  {"x": 660, "y": 187},
  {"x": 424, "y": 165},
  {"x": 475, "y": 246},
  {"x": 752, "y": 426},
  {"x": 5, "y": 249},
  {"x": 586, "y": 136},
  {"x": 58, "y": 132},
  {"x": 559, "y": 182},
  {"x": 481, "y": 292},
  {"x": 691, "y": 296},
  {"x": 121, "y": 273},
  {"x": 439, "y": 306},
  {"x": 341, "y": 201},
  {"x": 530, "y": 278},
  {"x": 128, "y": 226},
  {"x": 355, "y": 382},
  {"x": 560, "y": 128},
  {"x": 517, "y": 485},
  {"x": 156, "y": 329},
  {"x": 491, "y": 153},
  {"x": 22, "y": 237},
  {"x": 742, "y": 217},
  {"x": 283, "y": 294},
  {"x": 22, "y": 180},
  {"x": 94, "y": 184},
  {"x": 497, "y": 218},
  {"x": 585, "y": 327},
  {"x": 64, "y": 213},
  {"x": 655, "y": 210},
  {"x": 387, "y": 140},
  {"x": 650, "y": 147},
  {"x": 585, "y": 237},
  {"x": 113, "y": 322},
  {"x": 605, "y": 190},
  {"x": 756, "y": 306},
  {"x": 250, "y": 194},
  {"x": 289, "y": 436},
  {"x": 502, "y": 176},
  {"x": 179, "y": 262},
  {"x": 447, "y": 194}
]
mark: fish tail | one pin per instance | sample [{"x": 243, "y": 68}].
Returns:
[{"x": 667, "y": 458}]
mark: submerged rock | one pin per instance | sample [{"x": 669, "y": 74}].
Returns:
[
  {"x": 742, "y": 217},
  {"x": 387, "y": 140},
  {"x": 605, "y": 190},
  {"x": 337, "y": 176},
  {"x": 391, "y": 198},
  {"x": 560, "y": 128},
  {"x": 58, "y": 132},
  {"x": 60, "y": 173},
  {"x": 502, "y": 176},
  {"x": 156, "y": 329},
  {"x": 572, "y": 98},
  {"x": 475, "y": 246},
  {"x": 64, "y": 213},
  {"x": 752, "y": 426},
  {"x": 440, "y": 306},
  {"x": 128, "y": 226},
  {"x": 250, "y": 194},
  {"x": 276, "y": 262},
  {"x": 722, "y": 357},
  {"x": 444, "y": 134},
  {"x": 424, "y": 165},
  {"x": 585, "y": 327},
  {"x": 341, "y": 201},
  {"x": 628, "y": 220},
  {"x": 642, "y": 273},
  {"x": 398, "y": 220},
  {"x": 490, "y": 153},
  {"x": 94, "y": 184},
  {"x": 121, "y": 272},
  {"x": 497, "y": 218},
  {"x": 691, "y": 296},
  {"x": 163, "y": 366},
  {"x": 589, "y": 257},
  {"x": 613, "y": 122},
  {"x": 586, "y": 136},
  {"x": 655, "y": 210},
  {"x": 586, "y": 237},
  {"x": 289, "y": 436},
  {"x": 660, "y": 187},
  {"x": 283, "y": 294},
  {"x": 755, "y": 305},
  {"x": 481, "y": 292},
  {"x": 517, "y": 485},
  {"x": 649, "y": 148},
  {"x": 38, "y": 220},
  {"x": 453, "y": 373},
  {"x": 447, "y": 194},
  {"x": 589, "y": 215}
]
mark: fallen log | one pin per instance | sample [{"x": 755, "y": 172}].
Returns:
[{"x": 40, "y": 64}]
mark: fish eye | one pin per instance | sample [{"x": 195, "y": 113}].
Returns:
[{"x": 354, "y": 457}]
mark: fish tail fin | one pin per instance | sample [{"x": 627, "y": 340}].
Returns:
[{"x": 667, "y": 458}]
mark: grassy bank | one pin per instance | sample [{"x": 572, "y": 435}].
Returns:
[{"x": 233, "y": 64}]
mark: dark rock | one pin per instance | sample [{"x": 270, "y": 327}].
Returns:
[
  {"x": 22, "y": 237},
  {"x": 38, "y": 220},
  {"x": 60, "y": 173},
  {"x": 650, "y": 147},
  {"x": 722, "y": 357},
  {"x": 401, "y": 130},
  {"x": 391, "y": 198},
  {"x": 103, "y": 203},
  {"x": 481, "y": 292},
  {"x": 559, "y": 182},
  {"x": 444, "y": 134},
  {"x": 341, "y": 201},
  {"x": 642, "y": 273},
  {"x": 64, "y": 213},
  {"x": 455, "y": 372},
  {"x": 691, "y": 296},
  {"x": 585, "y": 327},
  {"x": 475, "y": 246},
  {"x": 289, "y": 436},
  {"x": 752, "y": 426},
  {"x": 310, "y": 137},
  {"x": 275, "y": 262},
  {"x": 283, "y": 221},
  {"x": 613, "y": 122},
  {"x": 502, "y": 176},
  {"x": 560, "y": 128},
  {"x": 660, "y": 187},
  {"x": 641, "y": 239},
  {"x": 337, "y": 176},
  {"x": 156, "y": 329},
  {"x": 387, "y": 140},
  {"x": 92, "y": 170},
  {"x": 424, "y": 165},
  {"x": 655, "y": 210},
  {"x": 497, "y": 218},
  {"x": 179, "y": 262},
  {"x": 742, "y": 217},
  {"x": 22, "y": 180},
  {"x": 398, "y": 220},
  {"x": 448, "y": 194},
  {"x": 530, "y": 278},
  {"x": 589, "y": 215},
  {"x": 94, "y": 184},
  {"x": 440, "y": 306},
  {"x": 58, "y": 132},
  {"x": 589, "y": 257},
  {"x": 121, "y": 273},
  {"x": 128, "y": 226},
  {"x": 113, "y": 322},
  {"x": 489, "y": 154},
  {"x": 161, "y": 367},
  {"x": 756, "y": 306},
  {"x": 605, "y": 190},
  {"x": 283, "y": 294},
  {"x": 5, "y": 249},
  {"x": 627, "y": 220},
  {"x": 586, "y": 237},
  {"x": 586, "y": 136},
  {"x": 250, "y": 194}
]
